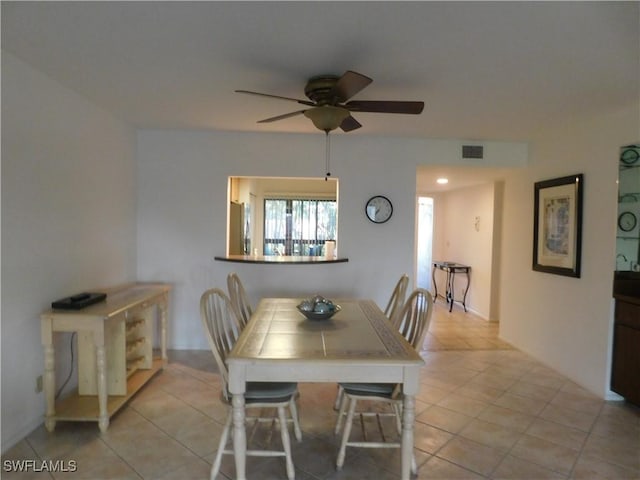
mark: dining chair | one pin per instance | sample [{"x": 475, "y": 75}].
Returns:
[
  {"x": 239, "y": 300},
  {"x": 396, "y": 301},
  {"x": 413, "y": 324},
  {"x": 222, "y": 331}
]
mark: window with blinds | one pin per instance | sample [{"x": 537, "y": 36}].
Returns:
[{"x": 298, "y": 226}]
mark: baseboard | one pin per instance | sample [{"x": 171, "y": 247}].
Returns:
[
  {"x": 9, "y": 443},
  {"x": 476, "y": 313},
  {"x": 613, "y": 396}
]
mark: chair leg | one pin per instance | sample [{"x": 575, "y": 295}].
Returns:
[
  {"x": 286, "y": 443},
  {"x": 339, "y": 395},
  {"x": 341, "y": 412},
  {"x": 296, "y": 419},
  {"x": 347, "y": 430},
  {"x": 215, "y": 468},
  {"x": 398, "y": 414}
]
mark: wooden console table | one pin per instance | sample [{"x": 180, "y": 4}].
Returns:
[
  {"x": 451, "y": 268},
  {"x": 115, "y": 345}
]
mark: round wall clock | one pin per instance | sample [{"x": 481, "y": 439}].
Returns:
[
  {"x": 627, "y": 221},
  {"x": 379, "y": 209},
  {"x": 629, "y": 156}
]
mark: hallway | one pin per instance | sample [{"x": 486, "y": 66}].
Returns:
[{"x": 461, "y": 331}]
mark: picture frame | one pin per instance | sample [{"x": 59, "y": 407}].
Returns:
[{"x": 557, "y": 225}]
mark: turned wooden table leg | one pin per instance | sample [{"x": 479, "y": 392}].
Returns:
[
  {"x": 408, "y": 417},
  {"x": 101, "y": 364},
  {"x": 240, "y": 435},
  {"x": 49, "y": 387}
]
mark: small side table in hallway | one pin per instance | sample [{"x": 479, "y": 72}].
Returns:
[{"x": 451, "y": 268}]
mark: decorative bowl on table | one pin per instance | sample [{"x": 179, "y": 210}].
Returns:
[{"x": 318, "y": 308}]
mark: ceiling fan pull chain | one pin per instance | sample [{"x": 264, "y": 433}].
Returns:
[{"x": 327, "y": 155}]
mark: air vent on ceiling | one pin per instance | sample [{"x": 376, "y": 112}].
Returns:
[{"x": 472, "y": 151}]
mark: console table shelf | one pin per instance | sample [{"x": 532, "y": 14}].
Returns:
[
  {"x": 84, "y": 408},
  {"x": 115, "y": 351}
]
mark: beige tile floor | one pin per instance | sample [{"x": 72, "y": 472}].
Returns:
[{"x": 485, "y": 411}]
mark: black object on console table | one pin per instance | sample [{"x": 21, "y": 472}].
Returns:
[
  {"x": 78, "y": 301},
  {"x": 451, "y": 268}
]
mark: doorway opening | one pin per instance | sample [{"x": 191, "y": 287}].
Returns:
[{"x": 424, "y": 242}]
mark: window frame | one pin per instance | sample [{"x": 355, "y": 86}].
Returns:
[{"x": 296, "y": 245}]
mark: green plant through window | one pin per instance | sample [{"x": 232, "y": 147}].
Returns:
[{"x": 298, "y": 226}]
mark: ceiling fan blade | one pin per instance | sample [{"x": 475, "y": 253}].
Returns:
[
  {"x": 382, "y": 106},
  {"x": 281, "y": 117},
  {"x": 349, "y": 124},
  {"x": 348, "y": 85},
  {"x": 303, "y": 102}
]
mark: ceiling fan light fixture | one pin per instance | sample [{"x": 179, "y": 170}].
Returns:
[
  {"x": 327, "y": 117},
  {"x": 331, "y": 105}
]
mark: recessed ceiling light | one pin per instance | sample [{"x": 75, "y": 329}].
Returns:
[{"x": 442, "y": 181}]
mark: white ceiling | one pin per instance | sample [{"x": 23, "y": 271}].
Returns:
[
  {"x": 485, "y": 70},
  {"x": 458, "y": 177}
]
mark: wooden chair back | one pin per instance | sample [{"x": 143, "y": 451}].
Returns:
[
  {"x": 220, "y": 325},
  {"x": 415, "y": 317},
  {"x": 396, "y": 301},
  {"x": 239, "y": 300}
]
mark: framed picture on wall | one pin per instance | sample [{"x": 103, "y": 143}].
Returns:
[{"x": 557, "y": 227}]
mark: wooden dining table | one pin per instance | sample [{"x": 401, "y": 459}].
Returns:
[{"x": 358, "y": 344}]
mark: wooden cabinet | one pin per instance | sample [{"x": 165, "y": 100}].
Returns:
[
  {"x": 128, "y": 348},
  {"x": 115, "y": 351},
  {"x": 625, "y": 374}
]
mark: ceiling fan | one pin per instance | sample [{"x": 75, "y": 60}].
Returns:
[{"x": 329, "y": 105}]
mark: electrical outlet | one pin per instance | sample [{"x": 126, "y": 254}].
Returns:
[{"x": 39, "y": 384}]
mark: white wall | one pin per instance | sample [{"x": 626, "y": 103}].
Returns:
[
  {"x": 68, "y": 222},
  {"x": 457, "y": 240},
  {"x": 566, "y": 322},
  {"x": 182, "y": 191}
]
